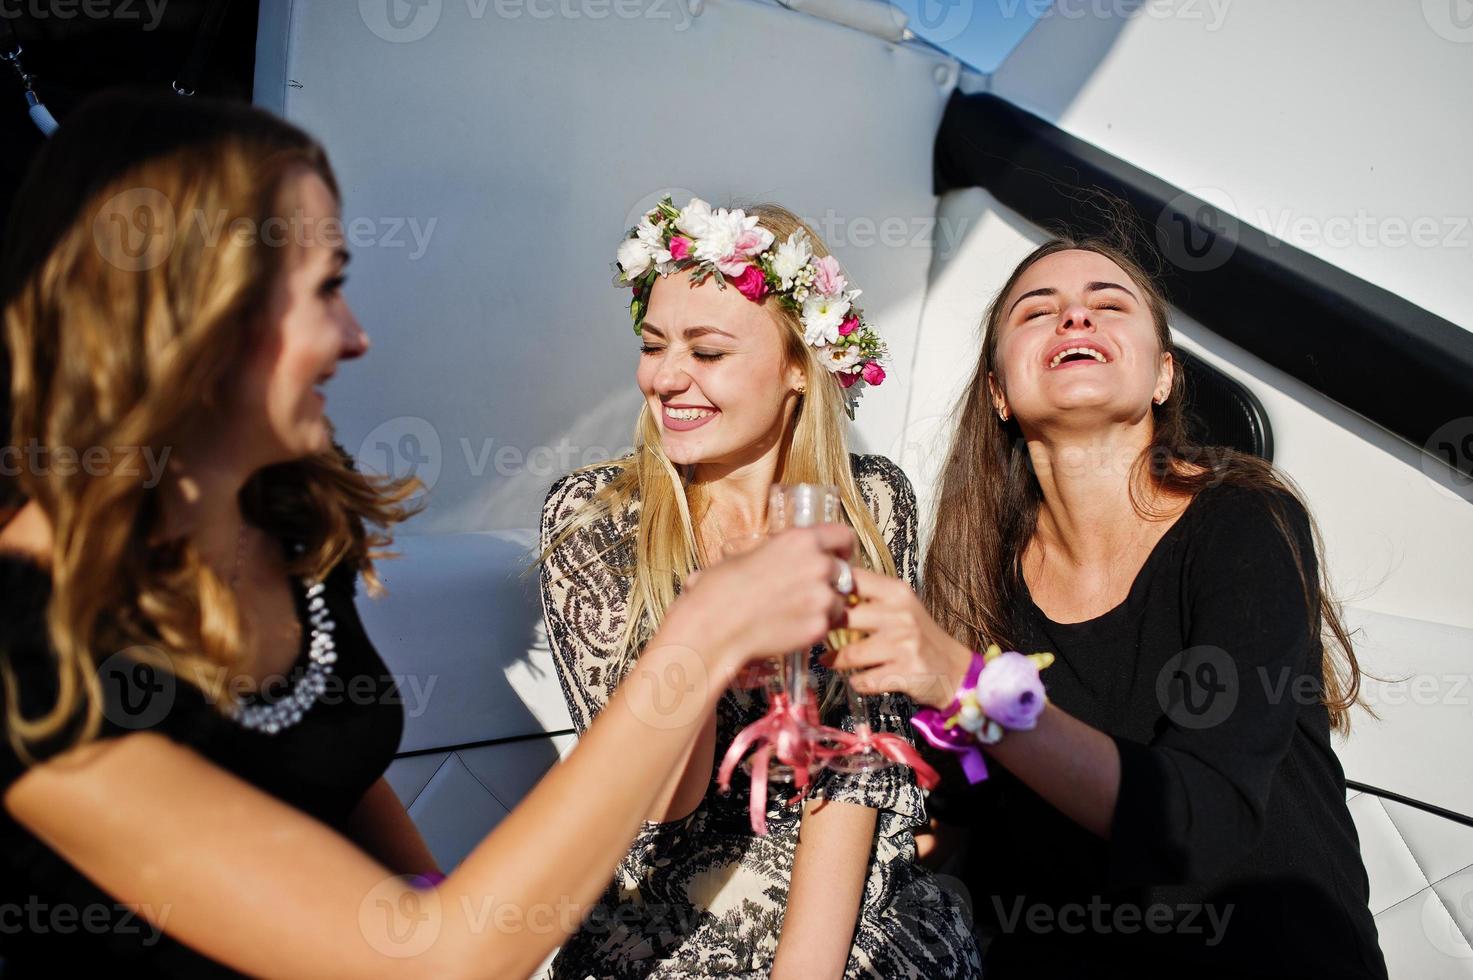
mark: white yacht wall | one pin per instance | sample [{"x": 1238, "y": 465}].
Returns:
[{"x": 1340, "y": 126}]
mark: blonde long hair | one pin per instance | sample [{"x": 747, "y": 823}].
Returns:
[
  {"x": 104, "y": 354},
  {"x": 815, "y": 450}
]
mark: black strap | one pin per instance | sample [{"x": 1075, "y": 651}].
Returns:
[
  {"x": 10, "y": 52},
  {"x": 204, "y": 43},
  {"x": 9, "y": 43}
]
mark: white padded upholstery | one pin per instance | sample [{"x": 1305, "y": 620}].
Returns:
[
  {"x": 461, "y": 631},
  {"x": 1421, "y": 871}
]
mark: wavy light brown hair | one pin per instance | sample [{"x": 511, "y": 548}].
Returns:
[
  {"x": 815, "y": 450},
  {"x": 106, "y": 354},
  {"x": 988, "y": 498}
]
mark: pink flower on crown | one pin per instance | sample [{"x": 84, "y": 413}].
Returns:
[
  {"x": 679, "y": 248},
  {"x": 751, "y": 283},
  {"x": 829, "y": 280},
  {"x": 726, "y": 239},
  {"x": 748, "y": 245},
  {"x": 849, "y": 326},
  {"x": 846, "y": 379},
  {"x": 873, "y": 373}
]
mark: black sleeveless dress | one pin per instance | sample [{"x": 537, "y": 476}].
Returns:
[{"x": 53, "y": 920}]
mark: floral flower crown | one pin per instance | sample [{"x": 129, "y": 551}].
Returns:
[{"x": 729, "y": 245}]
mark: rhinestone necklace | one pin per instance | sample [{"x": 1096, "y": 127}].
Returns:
[{"x": 321, "y": 653}]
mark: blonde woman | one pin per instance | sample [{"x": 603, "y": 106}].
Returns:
[
  {"x": 751, "y": 353},
  {"x": 196, "y": 726}
]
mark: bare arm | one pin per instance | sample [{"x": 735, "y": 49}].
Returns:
[
  {"x": 1072, "y": 765},
  {"x": 380, "y": 825},
  {"x": 249, "y": 881},
  {"x": 834, "y": 844}
]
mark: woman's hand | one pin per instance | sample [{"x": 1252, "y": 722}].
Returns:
[
  {"x": 776, "y": 598},
  {"x": 904, "y": 649}
]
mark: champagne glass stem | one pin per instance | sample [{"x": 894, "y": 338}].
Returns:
[{"x": 859, "y": 711}]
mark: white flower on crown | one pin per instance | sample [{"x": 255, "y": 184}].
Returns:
[
  {"x": 790, "y": 258},
  {"x": 729, "y": 240},
  {"x": 840, "y": 358},
  {"x": 821, "y": 316},
  {"x": 635, "y": 254}
]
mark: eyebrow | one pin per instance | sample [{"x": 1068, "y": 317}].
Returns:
[
  {"x": 691, "y": 333},
  {"x": 1090, "y": 287}
]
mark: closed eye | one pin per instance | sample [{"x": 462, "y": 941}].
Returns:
[
  {"x": 650, "y": 350},
  {"x": 331, "y": 287}
]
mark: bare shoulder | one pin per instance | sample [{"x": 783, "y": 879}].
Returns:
[{"x": 28, "y": 535}]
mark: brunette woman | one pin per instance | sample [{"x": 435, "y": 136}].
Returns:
[
  {"x": 1176, "y": 809},
  {"x": 196, "y": 726}
]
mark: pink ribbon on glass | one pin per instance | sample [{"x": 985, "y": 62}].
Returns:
[
  {"x": 892, "y": 747},
  {"x": 780, "y": 733},
  {"x": 785, "y": 733}
]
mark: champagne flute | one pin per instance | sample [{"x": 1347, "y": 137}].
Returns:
[{"x": 803, "y": 505}]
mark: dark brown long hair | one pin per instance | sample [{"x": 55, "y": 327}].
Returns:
[
  {"x": 988, "y": 499},
  {"x": 106, "y": 353}
]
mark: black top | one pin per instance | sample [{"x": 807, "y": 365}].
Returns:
[
  {"x": 1232, "y": 851},
  {"x": 322, "y": 766}
]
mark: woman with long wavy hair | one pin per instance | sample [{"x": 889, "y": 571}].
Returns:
[
  {"x": 1176, "y": 808},
  {"x": 196, "y": 725},
  {"x": 751, "y": 355}
]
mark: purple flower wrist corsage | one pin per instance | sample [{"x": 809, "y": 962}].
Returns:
[{"x": 1001, "y": 692}]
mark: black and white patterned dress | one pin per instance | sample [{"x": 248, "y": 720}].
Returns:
[{"x": 704, "y": 896}]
